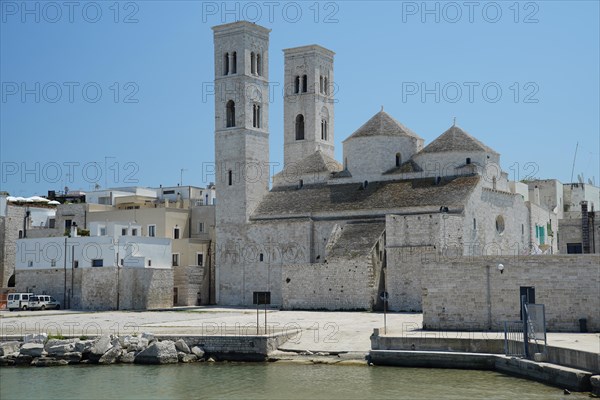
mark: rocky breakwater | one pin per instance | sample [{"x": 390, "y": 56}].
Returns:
[{"x": 40, "y": 351}]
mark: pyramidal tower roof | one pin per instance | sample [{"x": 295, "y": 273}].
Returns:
[
  {"x": 455, "y": 139},
  {"x": 317, "y": 162},
  {"x": 382, "y": 124}
]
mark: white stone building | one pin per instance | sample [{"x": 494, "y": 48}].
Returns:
[
  {"x": 109, "y": 271},
  {"x": 325, "y": 232}
]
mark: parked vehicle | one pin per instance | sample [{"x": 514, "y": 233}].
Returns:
[
  {"x": 43, "y": 302},
  {"x": 18, "y": 301}
]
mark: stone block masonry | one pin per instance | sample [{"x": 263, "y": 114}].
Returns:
[
  {"x": 470, "y": 293},
  {"x": 337, "y": 285},
  {"x": 101, "y": 288}
]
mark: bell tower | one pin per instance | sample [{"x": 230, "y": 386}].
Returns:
[
  {"x": 241, "y": 119},
  {"x": 308, "y": 103}
]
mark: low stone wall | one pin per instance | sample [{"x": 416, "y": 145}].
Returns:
[
  {"x": 551, "y": 374},
  {"x": 336, "y": 285},
  {"x": 493, "y": 344},
  {"x": 470, "y": 293},
  {"x": 96, "y": 288}
]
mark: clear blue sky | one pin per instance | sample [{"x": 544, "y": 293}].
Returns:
[{"x": 543, "y": 56}]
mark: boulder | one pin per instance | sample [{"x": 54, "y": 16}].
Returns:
[
  {"x": 23, "y": 359},
  {"x": 182, "y": 346},
  {"x": 110, "y": 357},
  {"x": 48, "y": 362},
  {"x": 84, "y": 346},
  {"x": 115, "y": 341},
  {"x": 198, "y": 352},
  {"x": 188, "y": 358},
  {"x": 35, "y": 338},
  {"x": 100, "y": 347},
  {"x": 32, "y": 349},
  {"x": 59, "y": 349},
  {"x": 72, "y": 358},
  {"x": 6, "y": 361},
  {"x": 137, "y": 344},
  {"x": 595, "y": 381},
  {"x": 7, "y": 348},
  {"x": 54, "y": 342},
  {"x": 148, "y": 336},
  {"x": 158, "y": 353},
  {"x": 127, "y": 357}
]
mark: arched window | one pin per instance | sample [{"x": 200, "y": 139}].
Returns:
[
  {"x": 297, "y": 85},
  {"x": 304, "y": 83},
  {"x": 494, "y": 183},
  {"x": 258, "y": 65},
  {"x": 300, "y": 127},
  {"x": 325, "y": 86},
  {"x": 252, "y": 63},
  {"x": 230, "y": 114},
  {"x": 468, "y": 160},
  {"x": 398, "y": 159},
  {"x": 256, "y": 116},
  {"x": 234, "y": 63},
  {"x": 230, "y": 177},
  {"x": 323, "y": 129},
  {"x": 226, "y": 64},
  {"x": 321, "y": 84}
]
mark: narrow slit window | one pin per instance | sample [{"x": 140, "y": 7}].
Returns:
[
  {"x": 230, "y": 114},
  {"x": 300, "y": 127}
]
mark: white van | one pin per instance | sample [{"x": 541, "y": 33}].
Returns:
[{"x": 18, "y": 301}]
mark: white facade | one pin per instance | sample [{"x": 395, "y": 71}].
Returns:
[{"x": 93, "y": 252}]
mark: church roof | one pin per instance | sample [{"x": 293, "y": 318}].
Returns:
[
  {"x": 455, "y": 139},
  {"x": 383, "y": 195},
  {"x": 357, "y": 239},
  {"x": 382, "y": 124},
  {"x": 406, "y": 167},
  {"x": 316, "y": 162}
]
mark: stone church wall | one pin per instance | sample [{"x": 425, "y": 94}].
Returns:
[{"x": 336, "y": 285}]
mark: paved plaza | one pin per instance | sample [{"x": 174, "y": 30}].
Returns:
[{"x": 325, "y": 331}]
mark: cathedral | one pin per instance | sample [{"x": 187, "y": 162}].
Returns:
[{"x": 324, "y": 234}]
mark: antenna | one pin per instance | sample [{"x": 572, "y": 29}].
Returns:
[
  {"x": 181, "y": 176},
  {"x": 574, "y": 157}
]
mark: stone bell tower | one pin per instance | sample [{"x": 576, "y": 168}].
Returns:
[{"x": 309, "y": 100}]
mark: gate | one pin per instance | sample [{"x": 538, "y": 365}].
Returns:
[{"x": 520, "y": 336}]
